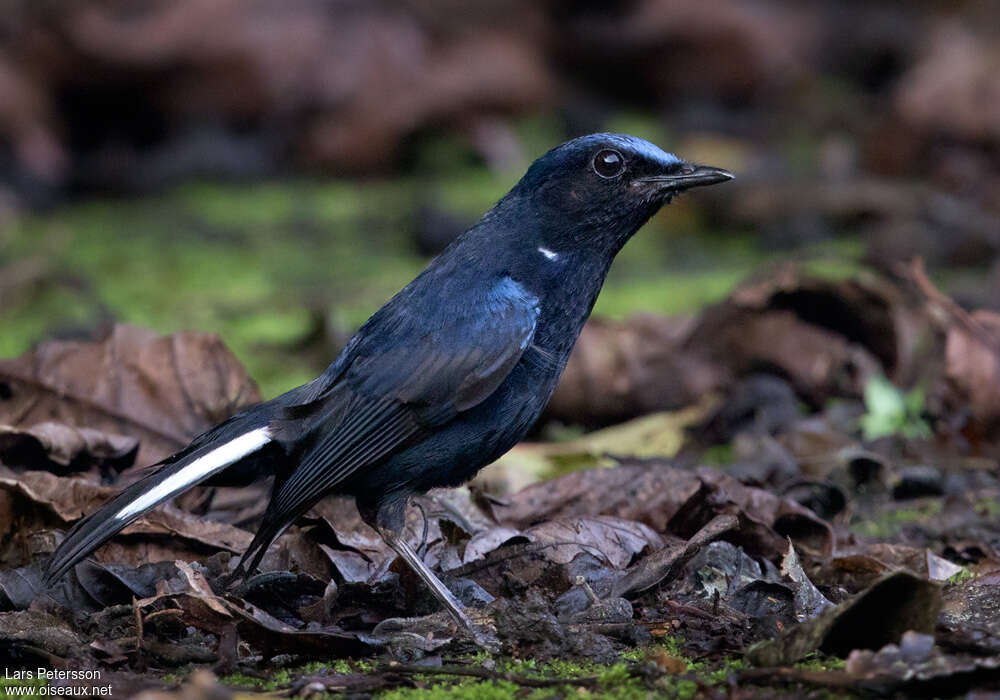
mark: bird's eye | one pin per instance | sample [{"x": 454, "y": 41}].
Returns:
[{"x": 609, "y": 163}]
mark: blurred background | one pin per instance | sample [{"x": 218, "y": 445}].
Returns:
[{"x": 274, "y": 171}]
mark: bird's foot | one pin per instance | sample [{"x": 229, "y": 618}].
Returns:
[
  {"x": 485, "y": 638},
  {"x": 420, "y": 635},
  {"x": 479, "y": 626}
]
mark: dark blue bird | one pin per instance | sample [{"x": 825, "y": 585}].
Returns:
[{"x": 444, "y": 378}]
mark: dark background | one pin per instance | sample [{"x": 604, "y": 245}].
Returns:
[{"x": 273, "y": 171}]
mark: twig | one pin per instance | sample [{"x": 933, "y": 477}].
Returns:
[
  {"x": 946, "y": 305},
  {"x": 828, "y": 679},
  {"x": 139, "y": 656}
]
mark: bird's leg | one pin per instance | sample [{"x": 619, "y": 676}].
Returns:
[
  {"x": 440, "y": 591},
  {"x": 388, "y": 519}
]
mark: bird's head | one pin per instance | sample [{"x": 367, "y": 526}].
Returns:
[{"x": 601, "y": 188}]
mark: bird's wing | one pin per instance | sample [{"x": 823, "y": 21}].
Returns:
[{"x": 406, "y": 375}]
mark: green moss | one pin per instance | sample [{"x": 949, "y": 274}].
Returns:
[
  {"x": 888, "y": 523},
  {"x": 614, "y": 681},
  {"x": 486, "y": 690},
  {"x": 247, "y": 262},
  {"x": 818, "y": 662},
  {"x": 988, "y": 508},
  {"x": 238, "y": 680},
  {"x": 718, "y": 455},
  {"x": 718, "y": 673},
  {"x": 7, "y": 686},
  {"x": 961, "y": 577},
  {"x": 255, "y": 262}
]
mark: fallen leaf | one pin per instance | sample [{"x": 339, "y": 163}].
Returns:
[
  {"x": 61, "y": 448},
  {"x": 656, "y": 435},
  {"x": 614, "y": 540},
  {"x": 809, "y": 602},
  {"x": 875, "y": 617},
  {"x": 973, "y": 364},
  {"x": 161, "y": 390},
  {"x": 623, "y": 369},
  {"x": 650, "y": 492}
]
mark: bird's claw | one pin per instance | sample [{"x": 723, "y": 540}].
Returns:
[
  {"x": 485, "y": 638},
  {"x": 478, "y": 625}
]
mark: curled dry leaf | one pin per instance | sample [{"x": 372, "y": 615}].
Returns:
[
  {"x": 256, "y": 627},
  {"x": 647, "y": 491},
  {"x": 825, "y": 336},
  {"x": 35, "y": 501},
  {"x": 613, "y": 540},
  {"x": 161, "y": 390},
  {"x": 878, "y": 616},
  {"x": 809, "y": 602},
  {"x": 67, "y": 498},
  {"x": 973, "y": 364},
  {"x": 93, "y": 586},
  {"x": 623, "y": 369},
  {"x": 765, "y": 519},
  {"x": 664, "y": 565},
  {"x": 57, "y": 447}
]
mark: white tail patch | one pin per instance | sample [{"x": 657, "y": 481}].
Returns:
[
  {"x": 551, "y": 255},
  {"x": 204, "y": 466}
]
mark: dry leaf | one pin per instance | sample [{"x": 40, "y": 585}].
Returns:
[{"x": 161, "y": 390}]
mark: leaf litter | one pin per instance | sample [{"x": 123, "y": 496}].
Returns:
[{"x": 828, "y": 519}]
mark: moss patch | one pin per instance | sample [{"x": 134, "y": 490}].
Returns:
[{"x": 888, "y": 523}]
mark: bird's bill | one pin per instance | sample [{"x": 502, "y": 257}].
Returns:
[{"x": 691, "y": 176}]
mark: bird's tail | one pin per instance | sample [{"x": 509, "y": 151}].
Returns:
[{"x": 207, "y": 456}]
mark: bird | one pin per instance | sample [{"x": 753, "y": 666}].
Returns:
[{"x": 443, "y": 379}]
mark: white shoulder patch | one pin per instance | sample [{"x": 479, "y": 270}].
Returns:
[{"x": 548, "y": 253}]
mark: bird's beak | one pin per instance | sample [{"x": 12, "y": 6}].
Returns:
[{"x": 688, "y": 177}]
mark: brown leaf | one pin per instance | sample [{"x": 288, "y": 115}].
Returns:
[
  {"x": 613, "y": 540},
  {"x": 69, "y": 498},
  {"x": 187, "y": 529},
  {"x": 64, "y": 446},
  {"x": 166, "y": 533},
  {"x": 161, "y": 390},
  {"x": 781, "y": 516},
  {"x": 647, "y": 491},
  {"x": 876, "y": 617},
  {"x": 204, "y": 610},
  {"x": 825, "y": 336},
  {"x": 623, "y": 369},
  {"x": 664, "y": 565},
  {"x": 973, "y": 364}
]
